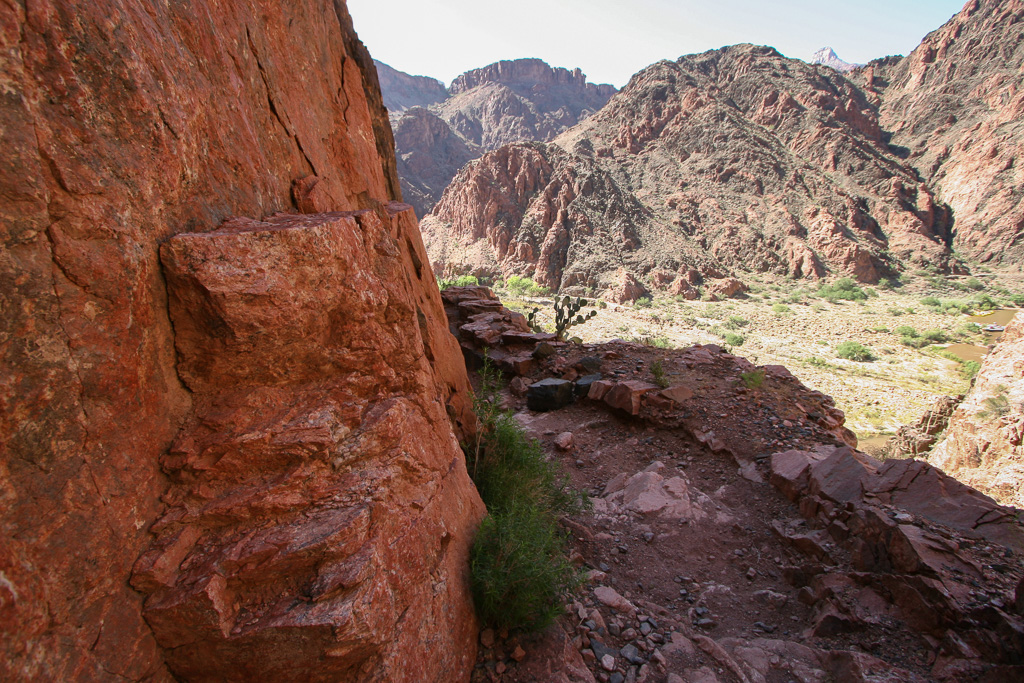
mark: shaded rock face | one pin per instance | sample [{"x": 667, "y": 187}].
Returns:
[
  {"x": 509, "y": 101},
  {"x": 402, "y": 91},
  {"x": 124, "y": 124},
  {"x": 955, "y": 107},
  {"x": 735, "y": 159},
  {"x": 982, "y": 445}
]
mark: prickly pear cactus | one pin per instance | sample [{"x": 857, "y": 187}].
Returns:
[{"x": 567, "y": 314}]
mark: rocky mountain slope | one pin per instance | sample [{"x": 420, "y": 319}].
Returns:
[
  {"x": 505, "y": 102},
  {"x": 735, "y": 535},
  {"x": 982, "y": 445},
  {"x": 826, "y": 56},
  {"x": 402, "y": 91},
  {"x": 734, "y": 160},
  {"x": 244, "y": 406},
  {"x": 955, "y": 107}
]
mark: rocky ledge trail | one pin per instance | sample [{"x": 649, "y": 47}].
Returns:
[{"x": 736, "y": 534}]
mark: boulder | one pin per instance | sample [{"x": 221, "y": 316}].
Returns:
[
  {"x": 549, "y": 394},
  {"x": 626, "y": 396}
]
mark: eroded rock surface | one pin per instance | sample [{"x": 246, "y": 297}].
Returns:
[
  {"x": 124, "y": 124},
  {"x": 982, "y": 445},
  {"x": 508, "y": 101},
  {"x": 955, "y": 108},
  {"x": 320, "y": 506},
  {"x": 734, "y": 160}
]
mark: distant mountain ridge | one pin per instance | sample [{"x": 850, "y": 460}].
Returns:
[
  {"x": 485, "y": 108},
  {"x": 733, "y": 160},
  {"x": 402, "y": 91},
  {"x": 828, "y": 57}
]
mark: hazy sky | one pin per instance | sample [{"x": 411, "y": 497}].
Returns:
[{"x": 613, "y": 39}]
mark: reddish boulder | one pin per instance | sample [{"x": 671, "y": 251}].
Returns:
[
  {"x": 726, "y": 287},
  {"x": 319, "y": 474},
  {"x": 625, "y": 289},
  {"x": 627, "y": 395}
]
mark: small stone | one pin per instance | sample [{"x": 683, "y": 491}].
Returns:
[
  {"x": 631, "y": 654},
  {"x": 544, "y": 350},
  {"x": 616, "y": 678},
  {"x": 649, "y": 536},
  {"x": 645, "y": 628},
  {"x": 608, "y": 663},
  {"x": 519, "y": 653},
  {"x": 751, "y": 574},
  {"x": 706, "y": 623},
  {"x": 500, "y": 668},
  {"x": 487, "y": 638}
]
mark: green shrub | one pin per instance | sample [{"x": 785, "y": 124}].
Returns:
[
  {"x": 935, "y": 336},
  {"x": 735, "y": 322},
  {"x": 816, "y": 362},
  {"x": 930, "y": 301},
  {"x": 643, "y": 302},
  {"x": 996, "y": 405},
  {"x": 905, "y": 331},
  {"x": 658, "y": 370},
  {"x": 843, "y": 288},
  {"x": 519, "y": 571},
  {"x": 524, "y": 286},
  {"x": 975, "y": 284},
  {"x": 753, "y": 379},
  {"x": 969, "y": 369},
  {"x": 851, "y": 350},
  {"x": 733, "y": 339},
  {"x": 460, "y": 281},
  {"x": 781, "y": 308},
  {"x": 985, "y": 303}
]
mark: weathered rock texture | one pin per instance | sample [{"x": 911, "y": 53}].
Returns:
[
  {"x": 509, "y": 101},
  {"x": 955, "y": 106},
  {"x": 320, "y": 511},
  {"x": 826, "y": 56},
  {"x": 734, "y": 160},
  {"x": 982, "y": 446},
  {"x": 123, "y": 124},
  {"x": 402, "y": 91}
]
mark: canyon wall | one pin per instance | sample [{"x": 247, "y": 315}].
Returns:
[
  {"x": 292, "y": 430},
  {"x": 982, "y": 445},
  {"x": 733, "y": 160},
  {"x": 955, "y": 108}
]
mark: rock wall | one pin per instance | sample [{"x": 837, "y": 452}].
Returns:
[
  {"x": 124, "y": 123},
  {"x": 402, "y": 91},
  {"x": 955, "y": 107},
  {"x": 982, "y": 446}
]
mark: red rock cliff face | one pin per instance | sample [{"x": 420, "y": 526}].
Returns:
[
  {"x": 295, "y": 494},
  {"x": 956, "y": 106}
]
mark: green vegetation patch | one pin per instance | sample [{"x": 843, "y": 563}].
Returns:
[{"x": 851, "y": 350}]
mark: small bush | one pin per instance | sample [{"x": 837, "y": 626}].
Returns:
[
  {"x": 969, "y": 369},
  {"x": 996, "y": 405},
  {"x": 851, "y": 350},
  {"x": 658, "y": 370},
  {"x": 935, "y": 336},
  {"x": 753, "y": 379},
  {"x": 781, "y": 308},
  {"x": 816, "y": 362},
  {"x": 735, "y": 322},
  {"x": 985, "y": 303},
  {"x": 843, "y": 288},
  {"x": 905, "y": 331},
  {"x": 975, "y": 284},
  {"x": 643, "y": 302},
  {"x": 733, "y": 339},
  {"x": 519, "y": 571}
]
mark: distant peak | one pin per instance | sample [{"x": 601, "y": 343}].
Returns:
[{"x": 828, "y": 57}]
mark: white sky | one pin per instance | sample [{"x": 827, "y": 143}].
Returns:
[{"x": 610, "y": 40}]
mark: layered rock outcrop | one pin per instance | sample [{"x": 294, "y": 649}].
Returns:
[
  {"x": 124, "y": 124},
  {"x": 955, "y": 109},
  {"x": 736, "y": 159},
  {"x": 505, "y": 102},
  {"x": 982, "y": 445}
]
